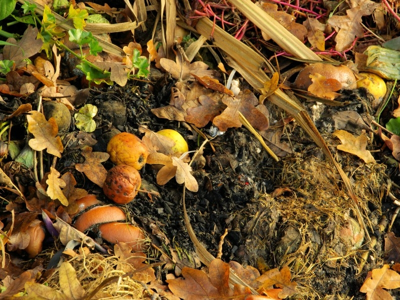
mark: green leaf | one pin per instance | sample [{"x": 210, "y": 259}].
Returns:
[
  {"x": 49, "y": 30},
  {"x": 95, "y": 47},
  {"x": 140, "y": 63},
  {"x": 97, "y": 18},
  {"x": 93, "y": 74},
  {"x": 78, "y": 17},
  {"x": 394, "y": 125},
  {"x": 6, "y": 66},
  {"x": 26, "y": 19},
  {"x": 28, "y": 7},
  {"x": 6, "y": 8},
  {"x": 84, "y": 118},
  {"x": 3, "y": 43},
  {"x": 80, "y": 36}
]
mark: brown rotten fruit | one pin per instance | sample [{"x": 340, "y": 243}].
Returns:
[
  {"x": 120, "y": 232},
  {"x": 122, "y": 184},
  {"x": 342, "y": 74},
  {"x": 98, "y": 215},
  {"x": 127, "y": 149}
]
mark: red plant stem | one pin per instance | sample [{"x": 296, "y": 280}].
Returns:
[
  {"x": 240, "y": 33},
  {"x": 389, "y": 8},
  {"x": 329, "y": 36},
  {"x": 297, "y": 7}
]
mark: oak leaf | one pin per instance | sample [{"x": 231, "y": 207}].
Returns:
[
  {"x": 245, "y": 103},
  {"x": 285, "y": 19},
  {"x": 392, "y": 248},
  {"x": 183, "y": 70},
  {"x": 349, "y": 27},
  {"x": 184, "y": 175},
  {"x": 209, "y": 108},
  {"x": 379, "y": 279},
  {"x": 323, "y": 87},
  {"x": 45, "y": 133},
  {"x": 92, "y": 166},
  {"x": 213, "y": 84},
  {"x": 315, "y": 33},
  {"x": 277, "y": 282},
  {"x": 354, "y": 145},
  {"x": 137, "y": 260},
  {"x": 198, "y": 286},
  {"x": 54, "y": 185}
]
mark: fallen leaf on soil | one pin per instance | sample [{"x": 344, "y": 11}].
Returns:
[
  {"x": 92, "y": 166},
  {"x": 153, "y": 54},
  {"x": 245, "y": 103},
  {"x": 275, "y": 282},
  {"x": 393, "y": 143},
  {"x": 69, "y": 282},
  {"x": 392, "y": 248},
  {"x": 349, "y": 27},
  {"x": 323, "y": 87},
  {"x": 184, "y": 175},
  {"x": 156, "y": 142},
  {"x": 26, "y": 47},
  {"x": 379, "y": 279},
  {"x": 69, "y": 233},
  {"x": 13, "y": 286},
  {"x": 183, "y": 70},
  {"x": 270, "y": 86},
  {"x": 273, "y": 139},
  {"x": 396, "y": 112},
  {"x": 213, "y": 84},
  {"x": 19, "y": 238},
  {"x": 144, "y": 273},
  {"x": 354, "y": 145},
  {"x": 22, "y": 109},
  {"x": 198, "y": 286},
  {"x": 315, "y": 33},
  {"x": 45, "y": 133},
  {"x": 285, "y": 19},
  {"x": 54, "y": 185},
  {"x": 200, "y": 116}
]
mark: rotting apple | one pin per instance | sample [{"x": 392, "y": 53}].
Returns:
[
  {"x": 85, "y": 202},
  {"x": 127, "y": 149},
  {"x": 375, "y": 85},
  {"x": 98, "y": 215},
  {"x": 121, "y": 232},
  {"x": 342, "y": 74},
  {"x": 37, "y": 235},
  {"x": 181, "y": 145},
  {"x": 122, "y": 184}
]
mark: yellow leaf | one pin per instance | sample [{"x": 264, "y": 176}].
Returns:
[
  {"x": 54, "y": 187},
  {"x": 45, "y": 133},
  {"x": 354, "y": 145},
  {"x": 69, "y": 283}
]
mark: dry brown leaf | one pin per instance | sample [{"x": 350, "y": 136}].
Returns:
[
  {"x": 349, "y": 27},
  {"x": 270, "y": 86},
  {"x": 396, "y": 112},
  {"x": 153, "y": 54},
  {"x": 26, "y": 47},
  {"x": 54, "y": 185},
  {"x": 393, "y": 143},
  {"x": 245, "y": 103},
  {"x": 315, "y": 33},
  {"x": 392, "y": 248},
  {"x": 45, "y": 133},
  {"x": 285, "y": 19},
  {"x": 13, "y": 286},
  {"x": 144, "y": 273},
  {"x": 323, "y": 87},
  {"x": 278, "y": 281},
  {"x": 92, "y": 166},
  {"x": 183, "y": 70},
  {"x": 102, "y": 8},
  {"x": 354, "y": 145},
  {"x": 200, "y": 116},
  {"x": 379, "y": 279},
  {"x": 69, "y": 233},
  {"x": 70, "y": 191},
  {"x": 184, "y": 175},
  {"x": 198, "y": 286},
  {"x": 213, "y": 84},
  {"x": 69, "y": 283},
  {"x": 19, "y": 238},
  {"x": 156, "y": 142}
]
